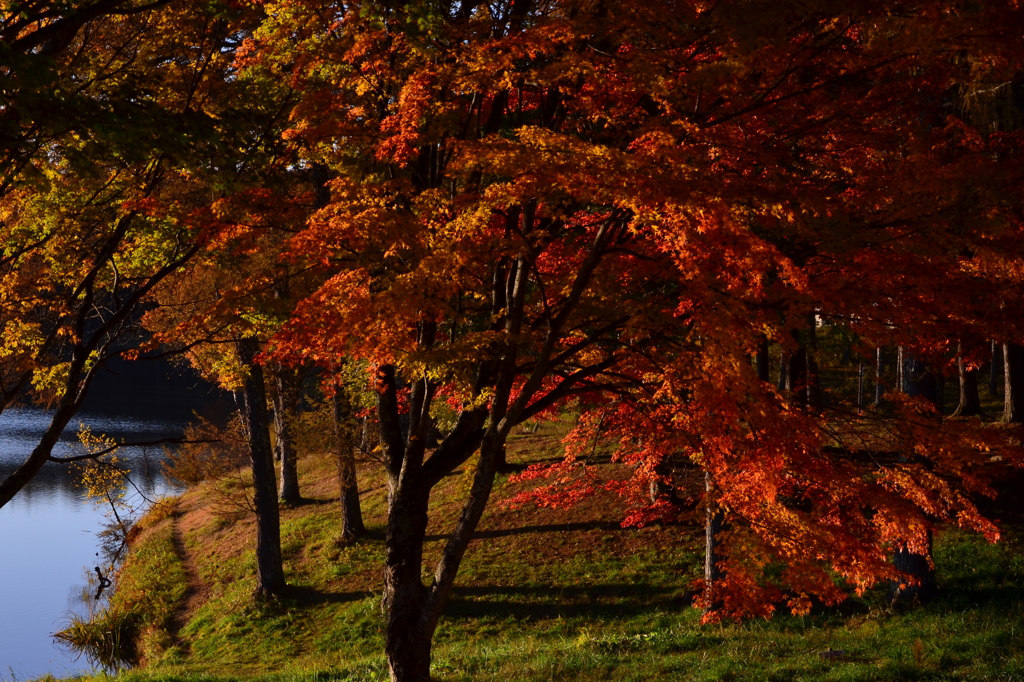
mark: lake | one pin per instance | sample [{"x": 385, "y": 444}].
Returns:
[{"x": 48, "y": 532}]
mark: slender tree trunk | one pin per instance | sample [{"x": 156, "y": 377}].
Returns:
[
  {"x": 969, "y": 404},
  {"x": 917, "y": 379},
  {"x": 813, "y": 378},
  {"x": 901, "y": 366},
  {"x": 1013, "y": 383},
  {"x": 761, "y": 359},
  {"x": 344, "y": 433},
  {"x": 860, "y": 387},
  {"x": 916, "y": 566},
  {"x": 714, "y": 524},
  {"x": 40, "y": 454},
  {"x": 994, "y": 367},
  {"x": 803, "y": 379},
  {"x": 663, "y": 487},
  {"x": 879, "y": 377},
  {"x": 286, "y": 406},
  {"x": 803, "y": 369},
  {"x": 784, "y": 375},
  {"x": 269, "y": 570}
]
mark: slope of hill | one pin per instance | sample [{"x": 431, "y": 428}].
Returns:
[{"x": 544, "y": 594}]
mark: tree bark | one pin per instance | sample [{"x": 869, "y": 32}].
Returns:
[
  {"x": 783, "y": 384},
  {"x": 860, "y": 387},
  {"x": 412, "y": 610},
  {"x": 1013, "y": 383},
  {"x": 286, "y": 406},
  {"x": 969, "y": 404},
  {"x": 803, "y": 379},
  {"x": 917, "y": 379},
  {"x": 995, "y": 365},
  {"x": 269, "y": 569},
  {"x": 879, "y": 380},
  {"x": 407, "y": 641},
  {"x": 714, "y": 524},
  {"x": 761, "y": 359},
  {"x": 344, "y": 433},
  {"x": 918, "y": 567}
]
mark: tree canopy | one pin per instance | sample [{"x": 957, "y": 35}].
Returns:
[{"x": 505, "y": 209}]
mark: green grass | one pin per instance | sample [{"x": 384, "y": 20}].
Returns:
[
  {"x": 561, "y": 595},
  {"x": 150, "y": 585}
]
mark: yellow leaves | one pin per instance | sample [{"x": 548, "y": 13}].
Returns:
[
  {"x": 103, "y": 478},
  {"x": 51, "y": 380},
  {"x": 19, "y": 338}
]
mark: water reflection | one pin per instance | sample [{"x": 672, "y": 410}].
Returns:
[{"x": 48, "y": 536}]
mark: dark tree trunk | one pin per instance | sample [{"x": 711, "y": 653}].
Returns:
[
  {"x": 917, "y": 379},
  {"x": 995, "y": 366},
  {"x": 40, "y": 454},
  {"x": 796, "y": 381},
  {"x": 783, "y": 384},
  {"x": 663, "y": 486},
  {"x": 286, "y": 407},
  {"x": 969, "y": 404},
  {"x": 407, "y": 641},
  {"x": 1013, "y": 383},
  {"x": 344, "y": 434},
  {"x": 761, "y": 359},
  {"x": 918, "y": 568},
  {"x": 803, "y": 379},
  {"x": 860, "y": 387},
  {"x": 269, "y": 571},
  {"x": 412, "y": 609},
  {"x": 714, "y": 524},
  {"x": 879, "y": 377}
]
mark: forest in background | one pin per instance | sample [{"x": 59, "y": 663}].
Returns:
[{"x": 457, "y": 218}]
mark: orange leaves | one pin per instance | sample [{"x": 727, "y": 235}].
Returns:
[
  {"x": 404, "y": 128},
  {"x": 617, "y": 207}
]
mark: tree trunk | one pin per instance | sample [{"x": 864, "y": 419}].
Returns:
[
  {"x": 783, "y": 384},
  {"x": 802, "y": 369},
  {"x": 916, "y": 379},
  {"x": 860, "y": 387},
  {"x": 879, "y": 381},
  {"x": 662, "y": 485},
  {"x": 916, "y": 566},
  {"x": 286, "y": 406},
  {"x": 344, "y": 434},
  {"x": 761, "y": 359},
  {"x": 714, "y": 524},
  {"x": 969, "y": 404},
  {"x": 269, "y": 571},
  {"x": 803, "y": 379},
  {"x": 1013, "y": 383},
  {"x": 406, "y": 640},
  {"x": 995, "y": 365}
]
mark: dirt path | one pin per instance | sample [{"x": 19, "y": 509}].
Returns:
[{"x": 197, "y": 592}]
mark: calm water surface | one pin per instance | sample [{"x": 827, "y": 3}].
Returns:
[{"x": 48, "y": 541}]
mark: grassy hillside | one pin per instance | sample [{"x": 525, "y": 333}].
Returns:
[{"x": 543, "y": 595}]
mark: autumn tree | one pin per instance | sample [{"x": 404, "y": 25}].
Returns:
[
  {"x": 235, "y": 293},
  {"x": 98, "y": 214},
  {"x": 533, "y": 202}
]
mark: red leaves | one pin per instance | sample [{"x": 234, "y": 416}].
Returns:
[{"x": 624, "y": 203}]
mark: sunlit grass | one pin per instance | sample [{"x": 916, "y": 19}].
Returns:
[{"x": 553, "y": 595}]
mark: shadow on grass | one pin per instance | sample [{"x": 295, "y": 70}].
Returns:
[
  {"x": 962, "y": 595},
  {"x": 614, "y": 601},
  {"x": 296, "y": 595},
  {"x": 546, "y": 528}
]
